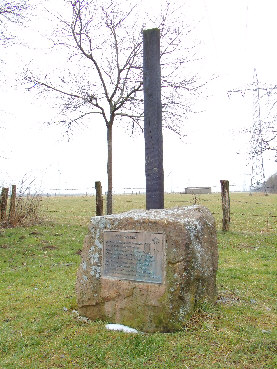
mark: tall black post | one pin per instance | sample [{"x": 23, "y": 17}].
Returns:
[{"x": 153, "y": 120}]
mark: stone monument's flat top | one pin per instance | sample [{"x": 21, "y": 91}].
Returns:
[{"x": 179, "y": 214}]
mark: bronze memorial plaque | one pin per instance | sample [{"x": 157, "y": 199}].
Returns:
[{"x": 134, "y": 255}]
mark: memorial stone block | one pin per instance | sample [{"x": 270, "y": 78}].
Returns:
[{"x": 148, "y": 269}]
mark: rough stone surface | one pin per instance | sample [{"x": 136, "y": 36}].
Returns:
[{"x": 191, "y": 258}]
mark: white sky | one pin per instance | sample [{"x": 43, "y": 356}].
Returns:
[{"x": 235, "y": 36}]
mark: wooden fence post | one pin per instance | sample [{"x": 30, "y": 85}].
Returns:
[
  {"x": 12, "y": 215},
  {"x": 225, "y": 196},
  {"x": 99, "y": 199},
  {"x": 4, "y": 203}
]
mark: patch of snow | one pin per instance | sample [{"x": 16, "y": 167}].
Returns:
[{"x": 120, "y": 327}]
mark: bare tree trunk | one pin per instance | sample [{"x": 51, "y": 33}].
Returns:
[
  {"x": 99, "y": 198},
  {"x": 225, "y": 205},
  {"x": 12, "y": 215},
  {"x": 4, "y": 203},
  {"x": 110, "y": 169}
]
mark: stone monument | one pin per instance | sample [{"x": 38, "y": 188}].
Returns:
[{"x": 148, "y": 269}]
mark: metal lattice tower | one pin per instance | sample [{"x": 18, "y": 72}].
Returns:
[{"x": 257, "y": 144}]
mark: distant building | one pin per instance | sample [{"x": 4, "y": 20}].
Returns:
[{"x": 198, "y": 190}]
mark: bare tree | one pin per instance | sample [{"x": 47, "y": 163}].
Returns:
[
  {"x": 263, "y": 132},
  {"x": 11, "y": 12},
  {"x": 104, "y": 70}
]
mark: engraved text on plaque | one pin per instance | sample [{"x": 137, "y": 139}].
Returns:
[{"x": 134, "y": 255}]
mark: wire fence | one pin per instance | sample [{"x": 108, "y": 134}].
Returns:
[{"x": 261, "y": 209}]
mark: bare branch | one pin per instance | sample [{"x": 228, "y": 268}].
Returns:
[
  {"x": 50, "y": 87},
  {"x": 77, "y": 35},
  {"x": 12, "y": 12}
]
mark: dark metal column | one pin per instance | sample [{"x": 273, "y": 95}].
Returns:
[{"x": 153, "y": 120}]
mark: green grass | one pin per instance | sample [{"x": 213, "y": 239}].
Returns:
[{"x": 38, "y": 328}]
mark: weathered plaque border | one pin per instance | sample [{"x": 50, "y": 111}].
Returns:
[{"x": 137, "y": 256}]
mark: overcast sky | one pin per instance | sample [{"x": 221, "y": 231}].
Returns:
[{"x": 236, "y": 37}]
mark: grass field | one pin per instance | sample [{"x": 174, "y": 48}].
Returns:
[{"x": 38, "y": 326}]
